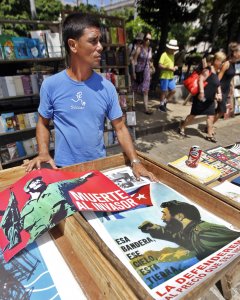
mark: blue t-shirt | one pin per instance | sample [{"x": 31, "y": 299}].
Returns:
[{"x": 78, "y": 110}]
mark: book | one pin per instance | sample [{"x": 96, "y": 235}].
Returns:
[
  {"x": 29, "y": 147},
  {"x": 221, "y": 153},
  {"x": 229, "y": 189},
  {"x": 235, "y": 148},
  {"x": 7, "y": 46},
  {"x": 20, "y": 121},
  {"x": 1, "y": 53},
  {"x": 20, "y": 149},
  {"x": 10, "y": 86},
  {"x": 110, "y": 57},
  {"x": 113, "y": 35},
  {"x": 18, "y": 85},
  {"x": 32, "y": 119},
  {"x": 236, "y": 181},
  {"x": 234, "y": 162},
  {"x": 34, "y": 48},
  {"x": 34, "y": 83},
  {"x": 12, "y": 149},
  {"x": 225, "y": 169},
  {"x": 27, "y": 87},
  {"x": 4, "y": 154},
  {"x": 8, "y": 121},
  {"x": 53, "y": 44},
  {"x": 41, "y": 36},
  {"x": 26, "y": 120},
  {"x": 203, "y": 173},
  {"x": 206, "y": 158},
  {"x": 2, "y": 128},
  {"x": 121, "y": 35},
  {"x": 4, "y": 89},
  {"x": 20, "y": 47}
]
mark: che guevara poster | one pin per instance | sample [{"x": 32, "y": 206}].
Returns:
[
  {"x": 171, "y": 246},
  {"x": 42, "y": 198}
]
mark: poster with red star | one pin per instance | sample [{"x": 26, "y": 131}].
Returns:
[{"x": 170, "y": 246}]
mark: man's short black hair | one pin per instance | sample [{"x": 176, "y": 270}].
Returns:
[
  {"x": 188, "y": 210},
  {"x": 74, "y": 25}
]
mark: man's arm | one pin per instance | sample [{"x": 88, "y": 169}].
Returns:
[
  {"x": 126, "y": 143},
  {"x": 43, "y": 136}
]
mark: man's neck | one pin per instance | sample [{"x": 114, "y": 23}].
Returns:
[{"x": 79, "y": 72}]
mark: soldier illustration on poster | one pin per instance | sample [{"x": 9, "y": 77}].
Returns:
[
  {"x": 185, "y": 228},
  {"x": 47, "y": 206},
  {"x": 158, "y": 243},
  {"x": 42, "y": 198}
]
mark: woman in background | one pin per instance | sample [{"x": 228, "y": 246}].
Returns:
[
  {"x": 225, "y": 76},
  {"x": 141, "y": 62},
  {"x": 204, "y": 102}
]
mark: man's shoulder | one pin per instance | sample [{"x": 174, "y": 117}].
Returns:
[{"x": 54, "y": 79}]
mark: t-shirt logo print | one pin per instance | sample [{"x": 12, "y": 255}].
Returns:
[{"x": 78, "y": 100}]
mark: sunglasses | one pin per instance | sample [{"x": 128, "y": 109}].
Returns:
[{"x": 148, "y": 39}]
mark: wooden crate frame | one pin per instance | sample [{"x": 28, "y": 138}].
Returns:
[{"x": 98, "y": 271}]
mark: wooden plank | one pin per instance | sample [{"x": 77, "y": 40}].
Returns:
[
  {"x": 107, "y": 282},
  {"x": 9, "y": 176}
]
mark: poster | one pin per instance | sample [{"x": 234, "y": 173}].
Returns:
[
  {"x": 169, "y": 247},
  {"x": 42, "y": 198},
  {"x": 35, "y": 273}
]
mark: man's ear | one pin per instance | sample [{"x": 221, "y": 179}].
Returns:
[
  {"x": 179, "y": 216},
  {"x": 72, "y": 45}
]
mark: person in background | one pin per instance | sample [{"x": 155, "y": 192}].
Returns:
[
  {"x": 141, "y": 62},
  {"x": 132, "y": 49},
  {"x": 225, "y": 76},
  {"x": 78, "y": 100},
  {"x": 204, "y": 101},
  {"x": 167, "y": 68},
  {"x": 179, "y": 59}
]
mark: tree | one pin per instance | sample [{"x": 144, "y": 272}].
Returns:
[
  {"x": 162, "y": 14},
  {"x": 220, "y": 21}
]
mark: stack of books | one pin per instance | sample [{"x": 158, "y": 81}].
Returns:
[{"x": 227, "y": 160}]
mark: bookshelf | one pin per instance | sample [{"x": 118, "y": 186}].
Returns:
[
  {"x": 21, "y": 75},
  {"x": 113, "y": 66}
]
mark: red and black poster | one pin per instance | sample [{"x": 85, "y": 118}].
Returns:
[{"x": 42, "y": 198}]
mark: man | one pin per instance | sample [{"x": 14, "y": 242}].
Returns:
[
  {"x": 167, "y": 68},
  {"x": 47, "y": 206},
  {"x": 185, "y": 228},
  {"x": 78, "y": 100}
]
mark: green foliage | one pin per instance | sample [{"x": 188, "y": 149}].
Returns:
[
  {"x": 220, "y": 22},
  {"x": 48, "y": 10}
]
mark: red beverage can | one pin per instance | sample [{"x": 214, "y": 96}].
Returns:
[{"x": 194, "y": 157}]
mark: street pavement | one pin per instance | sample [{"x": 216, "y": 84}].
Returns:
[{"x": 157, "y": 134}]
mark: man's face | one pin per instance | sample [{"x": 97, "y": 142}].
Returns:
[
  {"x": 166, "y": 216},
  {"x": 35, "y": 185},
  {"x": 88, "y": 47}
]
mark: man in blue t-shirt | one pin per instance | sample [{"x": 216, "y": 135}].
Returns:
[{"x": 78, "y": 100}]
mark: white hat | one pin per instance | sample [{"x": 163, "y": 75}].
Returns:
[{"x": 172, "y": 45}]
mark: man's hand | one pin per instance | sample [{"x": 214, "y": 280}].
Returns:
[
  {"x": 145, "y": 226},
  {"x": 139, "y": 170},
  {"x": 36, "y": 162}
]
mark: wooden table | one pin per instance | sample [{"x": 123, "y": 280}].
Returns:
[{"x": 98, "y": 271}]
